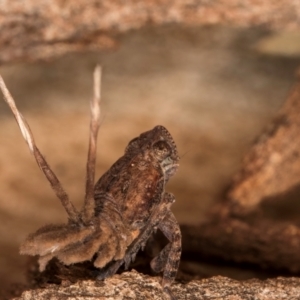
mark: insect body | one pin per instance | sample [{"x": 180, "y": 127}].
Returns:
[
  {"x": 134, "y": 189},
  {"x": 120, "y": 212}
]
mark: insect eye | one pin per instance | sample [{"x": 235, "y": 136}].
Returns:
[{"x": 162, "y": 149}]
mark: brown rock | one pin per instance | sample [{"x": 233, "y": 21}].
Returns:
[{"x": 132, "y": 285}]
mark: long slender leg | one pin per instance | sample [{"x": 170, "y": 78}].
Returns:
[
  {"x": 158, "y": 263},
  {"x": 169, "y": 257}
]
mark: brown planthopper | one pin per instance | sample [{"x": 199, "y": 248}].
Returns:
[{"x": 120, "y": 211}]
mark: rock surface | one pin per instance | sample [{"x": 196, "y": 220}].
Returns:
[
  {"x": 35, "y": 30},
  {"x": 132, "y": 285}
]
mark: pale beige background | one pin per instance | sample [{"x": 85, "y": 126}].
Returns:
[{"x": 210, "y": 87}]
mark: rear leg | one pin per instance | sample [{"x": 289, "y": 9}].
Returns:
[
  {"x": 112, "y": 223},
  {"x": 112, "y": 244}
]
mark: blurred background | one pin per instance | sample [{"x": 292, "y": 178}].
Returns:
[{"x": 214, "y": 87}]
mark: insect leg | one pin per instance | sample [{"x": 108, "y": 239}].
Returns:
[
  {"x": 169, "y": 258},
  {"x": 154, "y": 220}
]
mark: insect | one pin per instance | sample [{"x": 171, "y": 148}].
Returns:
[{"x": 120, "y": 212}]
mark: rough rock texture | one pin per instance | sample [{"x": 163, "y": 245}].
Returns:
[
  {"x": 132, "y": 285},
  {"x": 34, "y": 30},
  {"x": 258, "y": 222},
  {"x": 272, "y": 168}
]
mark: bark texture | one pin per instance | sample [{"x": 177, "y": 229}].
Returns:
[
  {"x": 33, "y": 30},
  {"x": 132, "y": 285}
]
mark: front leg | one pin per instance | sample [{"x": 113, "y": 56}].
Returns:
[{"x": 169, "y": 258}]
